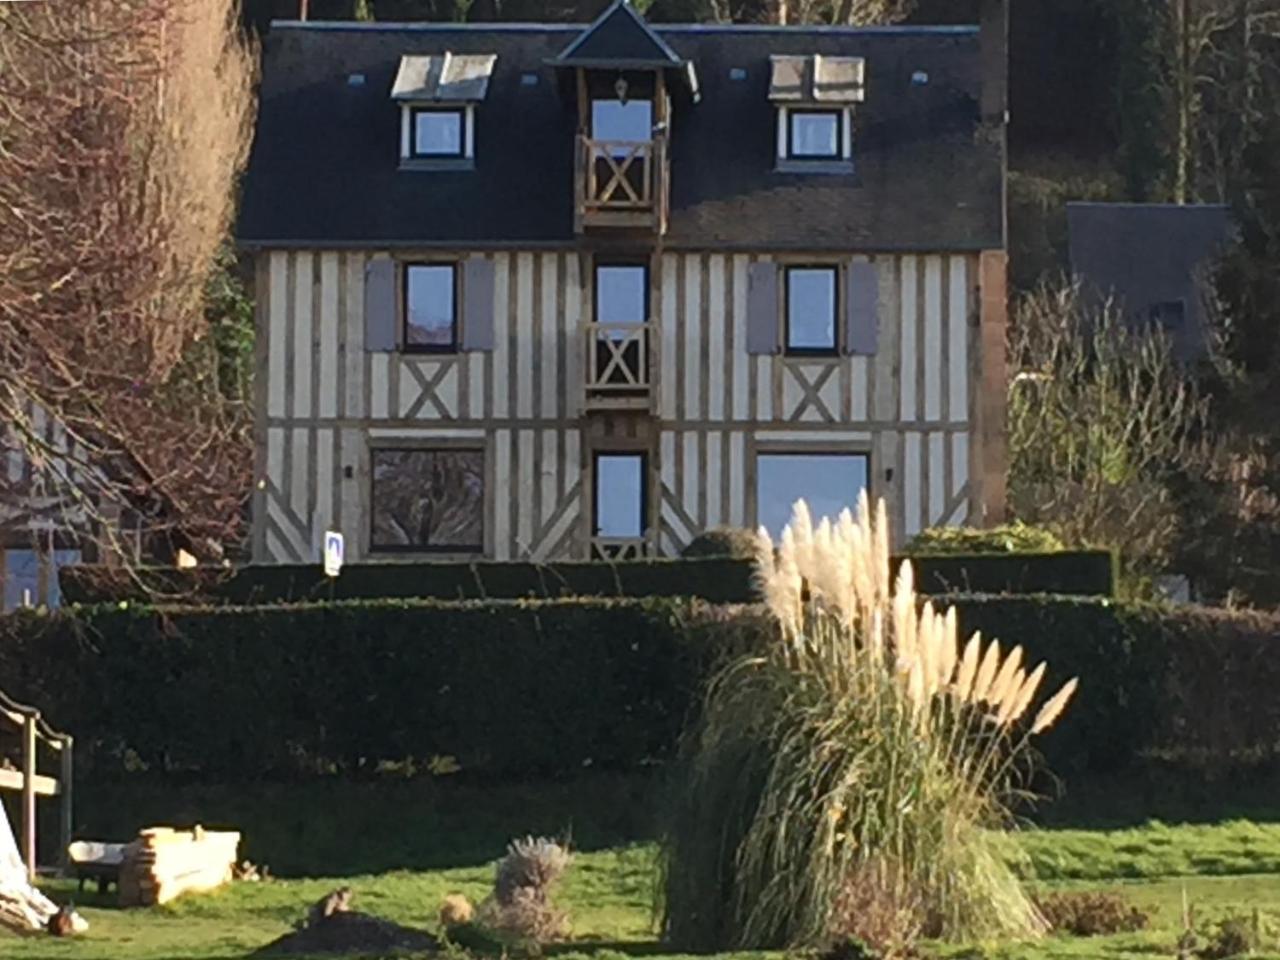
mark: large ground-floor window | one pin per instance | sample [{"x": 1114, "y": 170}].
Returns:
[
  {"x": 428, "y": 500},
  {"x": 29, "y": 576},
  {"x": 828, "y": 481}
]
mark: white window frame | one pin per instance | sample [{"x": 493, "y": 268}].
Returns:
[
  {"x": 468, "y": 111},
  {"x": 784, "y": 130}
]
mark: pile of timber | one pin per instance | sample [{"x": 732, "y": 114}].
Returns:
[
  {"x": 164, "y": 863},
  {"x": 23, "y": 908}
]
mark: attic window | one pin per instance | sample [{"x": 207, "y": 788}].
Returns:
[
  {"x": 438, "y": 132},
  {"x": 814, "y": 134},
  {"x": 438, "y": 95},
  {"x": 815, "y": 97}
]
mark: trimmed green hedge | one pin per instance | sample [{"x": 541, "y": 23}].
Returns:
[
  {"x": 1016, "y": 537},
  {"x": 505, "y": 687},
  {"x": 516, "y": 688},
  {"x": 1085, "y": 573},
  {"x": 715, "y": 579}
]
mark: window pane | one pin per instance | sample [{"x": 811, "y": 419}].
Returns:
[
  {"x": 21, "y": 578},
  {"x": 620, "y": 294},
  {"x": 438, "y": 133},
  {"x": 615, "y": 120},
  {"x": 826, "y": 482},
  {"x": 815, "y": 135},
  {"x": 428, "y": 499},
  {"x": 429, "y": 306},
  {"x": 620, "y": 495},
  {"x": 811, "y": 308}
]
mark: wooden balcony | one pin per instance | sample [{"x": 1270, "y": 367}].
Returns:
[
  {"x": 622, "y": 184},
  {"x": 619, "y": 548},
  {"x": 618, "y": 374}
]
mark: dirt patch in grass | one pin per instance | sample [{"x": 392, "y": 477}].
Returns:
[{"x": 350, "y": 932}]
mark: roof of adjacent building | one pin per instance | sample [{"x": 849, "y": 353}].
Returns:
[
  {"x": 325, "y": 167},
  {"x": 1144, "y": 254}
]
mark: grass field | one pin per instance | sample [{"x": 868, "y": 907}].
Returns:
[{"x": 1228, "y": 870}]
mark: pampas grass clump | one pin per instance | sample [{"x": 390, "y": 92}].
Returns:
[
  {"x": 521, "y": 906},
  {"x": 862, "y": 765}
]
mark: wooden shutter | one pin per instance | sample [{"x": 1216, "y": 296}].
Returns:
[
  {"x": 862, "y": 312},
  {"x": 477, "y": 304},
  {"x": 762, "y": 308},
  {"x": 380, "y": 312}
]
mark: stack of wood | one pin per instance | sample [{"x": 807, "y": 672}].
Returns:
[{"x": 164, "y": 863}]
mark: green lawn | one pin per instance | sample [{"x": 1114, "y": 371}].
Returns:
[{"x": 1226, "y": 870}]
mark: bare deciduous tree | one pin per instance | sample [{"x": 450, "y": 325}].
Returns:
[
  {"x": 1101, "y": 419},
  {"x": 123, "y": 125}
]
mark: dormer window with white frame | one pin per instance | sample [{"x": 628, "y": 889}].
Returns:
[
  {"x": 815, "y": 97},
  {"x": 440, "y": 132},
  {"x": 438, "y": 95}
]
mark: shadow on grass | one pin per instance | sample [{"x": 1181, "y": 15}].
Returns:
[
  {"x": 631, "y": 948},
  {"x": 306, "y": 829}
]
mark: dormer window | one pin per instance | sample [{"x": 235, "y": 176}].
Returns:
[
  {"x": 439, "y": 132},
  {"x": 438, "y": 96},
  {"x": 815, "y": 98},
  {"x": 814, "y": 134}
]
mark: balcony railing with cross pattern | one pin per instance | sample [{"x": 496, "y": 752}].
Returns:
[
  {"x": 622, "y": 183},
  {"x": 618, "y": 365}
]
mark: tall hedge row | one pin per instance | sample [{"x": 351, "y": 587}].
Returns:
[
  {"x": 718, "y": 579},
  {"x": 514, "y": 688},
  {"x": 509, "y": 688}
]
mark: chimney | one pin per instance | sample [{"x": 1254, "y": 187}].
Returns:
[
  {"x": 994, "y": 55},
  {"x": 780, "y": 12}
]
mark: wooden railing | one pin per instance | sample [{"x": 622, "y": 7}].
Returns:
[
  {"x": 618, "y": 363},
  {"x": 619, "y": 174},
  {"x": 619, "y": 548},
  {"x": 30, "y": 784},
  {"x": 621, "y": 184}
]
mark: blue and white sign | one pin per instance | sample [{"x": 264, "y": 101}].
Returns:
[{"x": 333, "y": 550}]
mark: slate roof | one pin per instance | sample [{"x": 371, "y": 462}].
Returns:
[
  {"x": 324, "y": 170},
  {"x": 1144, "y": 254}
]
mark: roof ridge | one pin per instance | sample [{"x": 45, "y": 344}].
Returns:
[{"x": 576, "y": 27}]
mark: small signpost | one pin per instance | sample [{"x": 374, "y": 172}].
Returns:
[{"x": 332, "y": 553}]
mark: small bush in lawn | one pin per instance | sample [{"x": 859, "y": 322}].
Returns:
[
  {"x": 861, "y": 757},
  {"x": 1233, "y": 937},
  {"x": 1091, "y": 913},
  {"x": 521, "y": 906}
]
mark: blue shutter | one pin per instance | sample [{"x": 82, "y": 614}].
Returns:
[
  {"x": 380, "y": 304},
  {"x": 477, "y": 304},
  {"x": 862, "y": 313},
  {"x": 762, "y": 308}
]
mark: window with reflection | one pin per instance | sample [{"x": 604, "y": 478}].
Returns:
[
  {"x": 430, "y": 307},
  {"x": 439, "y": 133},
  {"x": 811, "y": 309},
  {"x": 619, "y": 499},
  {"x": 428, "y": 500},
  {"x": 813, "y": 135},
  {"x": 827, "y": 481}
]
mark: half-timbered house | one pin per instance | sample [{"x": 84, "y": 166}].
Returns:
[{"x": 547, "y": 291}]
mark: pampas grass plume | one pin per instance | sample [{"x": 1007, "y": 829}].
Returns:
[{"x": 1054, "y": 706}]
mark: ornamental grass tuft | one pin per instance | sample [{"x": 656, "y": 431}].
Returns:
[{"x": 864, "y": 764}]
